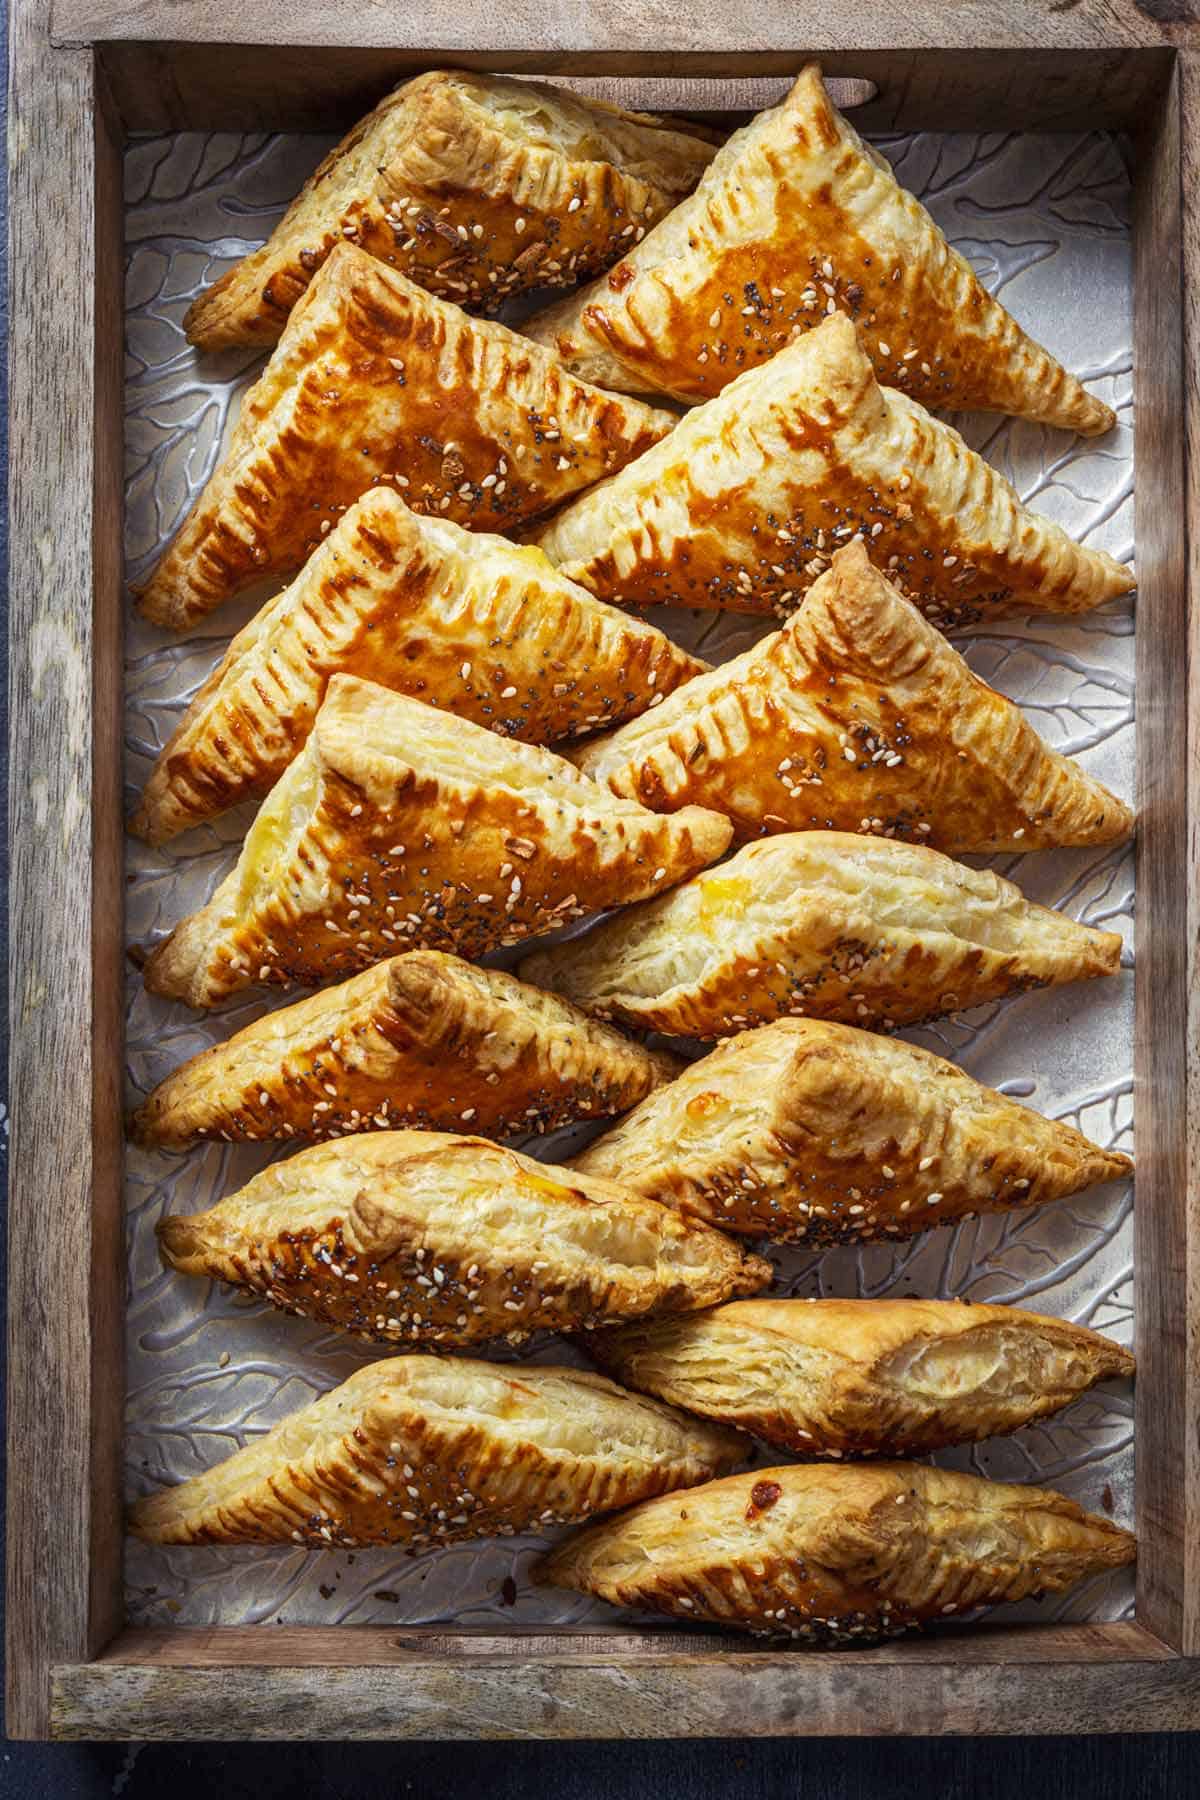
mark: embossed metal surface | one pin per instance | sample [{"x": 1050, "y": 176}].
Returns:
[{"x": 1046, "y": 222}]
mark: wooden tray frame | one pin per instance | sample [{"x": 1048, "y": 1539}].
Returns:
[{"x": 86, "y": 72}]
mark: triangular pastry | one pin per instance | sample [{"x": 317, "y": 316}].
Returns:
[
  {"x": 376, "y": 381},
  {"x": 810, "y": 1132},
  {"x": 422, "y": 1039},
  {"x": 857, "y": 716},
  {"x": 861, "y": 929},
  {"x": 862, "y": 1377},
  {"x": 427, "y": 1450},
  {"x": 422, "y": 1239},
  {"x": 828, "y": 1556},
  {"x": 465, "y": 621},
  {"x": 743, "y": 505},
  {"x": 475, "y": 186},
  {"x": 796, "y": 218},
  {"x": 399, "y": 827}
]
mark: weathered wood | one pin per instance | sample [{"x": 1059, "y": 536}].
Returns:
[
  {"x": 165, "y": 87},
  {"x": 660, "y": 1692},
  {"x": 641, "y": 24},
  {"x": 65, "y": 1217},
  {"x": 383, "y": 1646},
  {"x": 1167, "y": 1216}
]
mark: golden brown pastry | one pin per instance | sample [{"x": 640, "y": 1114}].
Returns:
[
  {"x": 464, "y": 621},
  {"x": 857, "y": 716},
  {"x": 476, "y": 187},
  {"x": 743, "y": 505},
  {"x": 422, "y": 1039},
  {"x": 399, "y": 827},
  {"x": 424, "y": 1450},
  {"x": 376, "y": 381},
  {"x": 421, "y": 1238},
  {"x": 863, "y": 929},
  {"x": 795, "y": 219},
  {"x": 831, "y": 1556},
  {"x": 815, "y": 1133},
  {"x": 836, "y": 1378}
]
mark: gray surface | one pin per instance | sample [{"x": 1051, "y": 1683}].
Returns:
[{"x": 1045, "y": 220}]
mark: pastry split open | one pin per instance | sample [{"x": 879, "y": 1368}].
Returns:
[
  {"x": 796, "y": 218},
  {"x": 376, "y": 381},
  {"x": 425, "y": 1450},
  {"x": 743, "y": 505},
  {"x": 867, "y": 930},
  {"x": 464, "y": 621},
  {"x": 399, "y": 827},
  {"x": 835, "y": 1378},
  {"x": 839, "y": 1555},
  {"x": 810, "y": 1132},
  {"x": 858, "y": 716},
  {"x": 475, "y": 186},
  {"x": 421, "y": 1238},
  {"x": 422, "y": 1039}
]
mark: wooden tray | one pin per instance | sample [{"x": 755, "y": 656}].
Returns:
[{"x": 85, "y": 74}]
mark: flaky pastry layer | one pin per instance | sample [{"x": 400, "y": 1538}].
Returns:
[
  {"x": 400, "y": 827},
  {"x": 866, "y": 930},
  {"x": 422, "y": 1039},
  {"x": 796, "y": 219},
  {"x": 742, "y": 507},
  {"x": 423, "y": 1450},
  {"x": 810, "y": 1132}
]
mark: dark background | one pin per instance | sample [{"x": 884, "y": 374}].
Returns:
[{"x": 1101, "y": 1768}]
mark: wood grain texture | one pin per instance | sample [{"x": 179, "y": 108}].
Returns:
[
  {"x": 65, "y": 1219},
  {"x": 192, "y": 86},
  {"x": 621, "y": 24},
  {"x": 1167, "y": 1215},
  {"x": 1111, "y": 1678}
]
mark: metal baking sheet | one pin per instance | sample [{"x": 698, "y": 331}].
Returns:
[{"x": 1046, "y": 221}]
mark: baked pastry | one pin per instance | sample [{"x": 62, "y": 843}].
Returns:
[
  {"x": 858, "y": 716},
  {"x": 839, "y": 1378},
  {"x": 398, "y": 827},
  {"x": 421, "y": 1039},
  {"x": 424, "y": 1450},
  {"x": 797, "y": 218},
  {"x": 376, "y": 381},
  {"x": 815, "y": 1133},
  {"x": 863, "y": 929},
  {"x": 829, "y": 1556},
  {"x": 467, "y": 622},
  {"x": 743, "y": 505},
  {"x": 475, "y": 186},
  {"x": 421, "y": 1238}
]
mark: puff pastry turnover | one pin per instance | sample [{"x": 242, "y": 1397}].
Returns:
[
  {"x": 375, "y": 381},
  {"x": 744, "y": 504},
  {"x": 858, "y": 716},
  {"x": 836, "y": 1378},
  {"x": 839, "y": 1555},
  {"x": 816, "y": 1133},
  {"x": 399, "y": 826},
  {"x": 420, "y": 1238},
  {"x": 468, "y": 622},
  {"x": 472, "y": 185},
  {"x": 861, "y": 929},
  {"x": 425, "y": 1450},
  {"x": 796, "y": 218},
  {"x": 421, "y": 1039}
]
